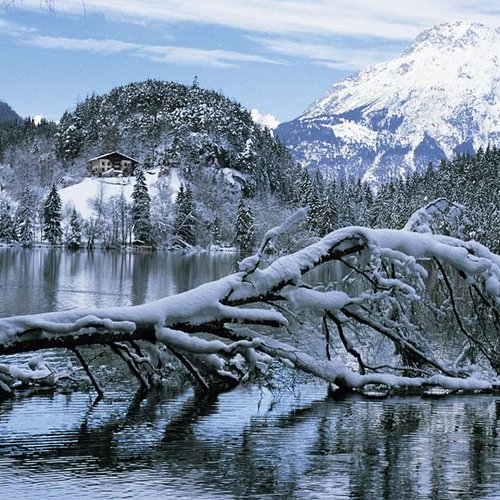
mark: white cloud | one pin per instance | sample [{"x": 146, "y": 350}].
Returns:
[
  {"x": 400, "y": 20},
  {"x": 103, "y": 46},
  {"x": 154, "y": 53},
  {"x": 264, "y": 120},
  {"x": 325, "y": 32},
  {"x": 188, "y": 55},
  {"x": 13, "y": 29},
  {"x": 332, "y": 55}
]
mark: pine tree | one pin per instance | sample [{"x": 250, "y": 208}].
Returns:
[
  {"x": 184, "y": 232},
  {"x": 52, "y": 231},
  {"x": 7, "y": 226},
  {"x": 244, "y": 237},
  {"x": 305, "y": 189},
  {"x": 74, "y": 240},
  {"x": 216, "y": 231},
  {"x": 172, "y": 156},
  {"x": 25, "y": 219},
  {"x": 329, "y": 216},
  {"x": 141, "y": 213},
  {"x": 367, "y": 205},
  {"x": 246, "y": 159},
  {"x": 384, "y": 205},
  {"x": 316, "y": 202}
]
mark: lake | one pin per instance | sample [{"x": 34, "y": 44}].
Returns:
[
  {"x": 46, "y": 279},
  {"x": 298, "y": 441}
]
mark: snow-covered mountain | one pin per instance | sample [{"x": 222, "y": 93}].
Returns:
[{"x": 441, "y": 97}]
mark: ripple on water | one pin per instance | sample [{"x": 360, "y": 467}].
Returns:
[{"x": 249, "y": 443}]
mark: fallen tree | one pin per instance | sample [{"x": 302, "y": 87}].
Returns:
[{"x": 412, "y": 309}]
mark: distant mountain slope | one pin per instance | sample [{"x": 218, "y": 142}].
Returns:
[
  {"x": 7, "y": 114},
  {"x": 166, "y": 124},
  {"x": 442, "y": 96}
]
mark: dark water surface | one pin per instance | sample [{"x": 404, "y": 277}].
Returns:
[
  {"x": 45, "y": 279},
  {"x": 250, "y": 443}
]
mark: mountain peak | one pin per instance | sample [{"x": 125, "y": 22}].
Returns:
[
  {"x": 440, "y": 97},
  {"x": 456, "y": 35}
]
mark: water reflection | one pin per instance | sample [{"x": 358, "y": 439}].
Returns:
[
  {"x": 246, "y": 444},
  {"x": 140, "y": 274},
  {"x": 45, "y": 279}
]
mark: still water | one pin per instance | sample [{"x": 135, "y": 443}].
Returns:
[
  {"x": 299, "y": 442},
  {"x": 44, "y": 279}
]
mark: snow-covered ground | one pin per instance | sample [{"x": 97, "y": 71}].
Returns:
[{"x": 80, "y": 195}]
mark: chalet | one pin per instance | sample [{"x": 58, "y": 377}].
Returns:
[{"x": 112, "y": 164}]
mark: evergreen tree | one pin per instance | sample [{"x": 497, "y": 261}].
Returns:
[
  {"x": 7, "y": 226},
  {"x": 25, "y": 219},
  {"x": 216, "y": 231},
  {"x": 329, "y": 216},
  {"x": 305, "y": 189},
  {"x": 52, "y": 231},
  {"x": 384, "y": 205},
  {"x": 316, "y": 202},
  {"x": 172, "y": 156},
  {"x": 244, "y": 237},
  {"x": 246, "y": 159},
  {"x": 184, "y": 232},
  {"x": 141, "y": 213},
  {"x": 74, "y": 240},
  {"x": 367, "y": 205}
]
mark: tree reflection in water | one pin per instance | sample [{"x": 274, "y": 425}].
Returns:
[{"x": 246, "y": 444}]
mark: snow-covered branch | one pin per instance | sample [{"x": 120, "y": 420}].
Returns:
[{"x": 409, "y": 308}]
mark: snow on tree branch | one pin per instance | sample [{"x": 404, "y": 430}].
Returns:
[
  {"x": 411, "y": 308},
  {"x": 438, "y": 215}
]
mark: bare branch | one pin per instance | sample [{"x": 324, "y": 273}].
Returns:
[
  {"x": 88, "y": 371},
  {"x": 388, "y": 302},
  {"x": 347, "y": 344}
]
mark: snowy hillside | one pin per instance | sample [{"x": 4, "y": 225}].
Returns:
[
  {"x": 442, "y": 96},
  {"x": 166, "y": 124},
  {"x": 82, "y": 196}
]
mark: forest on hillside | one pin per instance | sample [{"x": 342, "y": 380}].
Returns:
[
  {"x": 469, "y": 180},
  {"x": 216, "y": 150},
  {"x": 236, "y": 179}
]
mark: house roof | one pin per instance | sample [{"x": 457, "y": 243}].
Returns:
[{"x": 114, "y": 153}]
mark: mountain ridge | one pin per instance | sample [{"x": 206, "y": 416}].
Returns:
[
  {"x": 7, "y": 114},
  {"x": 439, "y": 98}
]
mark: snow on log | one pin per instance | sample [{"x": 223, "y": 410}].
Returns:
[{"x": 413, "y": 308}]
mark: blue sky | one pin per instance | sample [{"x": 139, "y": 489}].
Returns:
[{"x": 274, "y": 55}]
